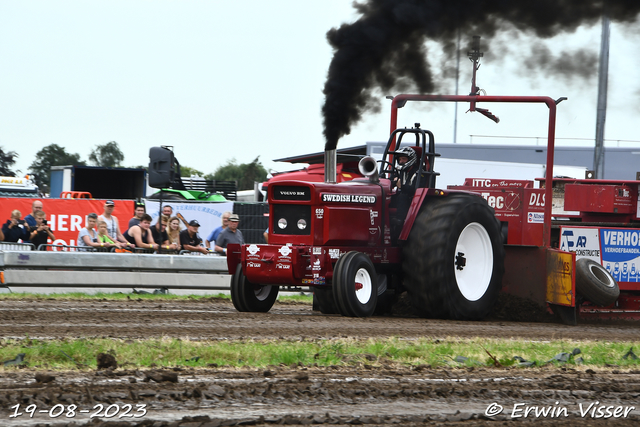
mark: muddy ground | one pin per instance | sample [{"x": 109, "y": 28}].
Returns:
[{"x": 378, "y": 394}]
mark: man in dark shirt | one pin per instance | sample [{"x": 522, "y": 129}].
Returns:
[
  {"x": 189, "y": 239},
  {"x": 231, "y": 234},
  {"x": 139, "y": 210},
  {"x": 41, "y": 233},
  {"x": 159, "y": 233}
]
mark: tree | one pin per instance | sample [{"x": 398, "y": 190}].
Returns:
[
  {"x": 187, "y": 172},
  {"x": 51, "y": 155},
  {"x": 107, "y": 155},
  {"x": 245, "y": 173},
  {"x": 7, "y": 160}
]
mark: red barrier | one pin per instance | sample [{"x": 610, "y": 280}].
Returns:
[{"x": 66, "y": 217}]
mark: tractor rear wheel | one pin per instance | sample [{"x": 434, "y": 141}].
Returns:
[
  {"x": 454, "y": 258},
  {"x": 355, "y": 285},
  {"x": 595, "y": 283},
  {"x": 249, "y": 297}
]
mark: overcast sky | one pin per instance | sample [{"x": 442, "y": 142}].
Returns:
[{"x": 239, "y": 79}]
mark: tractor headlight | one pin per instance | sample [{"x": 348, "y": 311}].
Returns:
[
  {"x": 302, "y": 224},
  {"x": 282, "y": 223}
]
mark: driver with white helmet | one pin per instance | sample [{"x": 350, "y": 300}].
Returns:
[{"x": 406, "y": 162}]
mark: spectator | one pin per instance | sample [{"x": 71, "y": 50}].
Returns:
[
  {"x": 174, "y": 231},
  {"x": 137, "y": 214},
  {"x": 230, "y": 235},
  {"x": 39, "y": 234},
  {"x": 215, "y": 233},
  {"x": 189, "y": 239},
  {"x": 88, "y": 236},
  {"x": 103, "y": 236},
  {"x": 160, "y": 235},
  {"x": 15, "y": 228},
  {"x": 1, "y": 235},
  {"x": 140, "y": 235},
  {"x": 266, "y": 235},
  {"x": 167, "y": 210},
  {"x": 113, "y": 225},
  {"x": 30, "y": 219}
]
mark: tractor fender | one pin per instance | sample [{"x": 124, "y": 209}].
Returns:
[
  {"x": 234, "y": 256},
  {"x": 419, "y": 199}
]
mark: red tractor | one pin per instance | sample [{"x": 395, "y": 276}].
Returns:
[{"x": 359, "y": 243}]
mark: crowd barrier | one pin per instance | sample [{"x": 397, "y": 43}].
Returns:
[
  {"x": 13, "y": 246},
  {"x": 22, "y": 267}
]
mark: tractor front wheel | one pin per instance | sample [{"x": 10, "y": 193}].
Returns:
[
  {"x": 355, "y": 285},
  {"x": 454, "y": 258},
  {"x": 249, "y": 297}
]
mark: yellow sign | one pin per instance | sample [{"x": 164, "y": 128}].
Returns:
[
  {"x": 11, "y": 180},
  {"x": 560, "y": 277}
]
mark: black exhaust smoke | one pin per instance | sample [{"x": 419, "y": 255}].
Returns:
[{"x": 385, "y": 49}]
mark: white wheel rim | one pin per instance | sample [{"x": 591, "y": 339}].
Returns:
[
  {"x": 363, "y": 285},
  {"x": 602, "y": 275},
  {"x": 262, "y": 292},
  {"x": 473, "y": 261}
]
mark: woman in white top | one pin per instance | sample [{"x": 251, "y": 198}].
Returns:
[{"x": 88, "y": 236}]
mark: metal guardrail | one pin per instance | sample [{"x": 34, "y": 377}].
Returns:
[
  {"x": 113, "y": 270},
  {"x": 70, "y": 248},
  {"x": 13, "y": 246}
]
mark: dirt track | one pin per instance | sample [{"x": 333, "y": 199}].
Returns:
[{"x": 371, "y": 395}]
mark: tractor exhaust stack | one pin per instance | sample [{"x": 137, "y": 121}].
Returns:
[
  {"x": 369, "y": 168},
  {"x": 330, "y": 166}
]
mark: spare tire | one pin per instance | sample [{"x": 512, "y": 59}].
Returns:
[{"x": 595, "y": 283}]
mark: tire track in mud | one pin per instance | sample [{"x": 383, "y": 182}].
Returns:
[
  {"x": 215, "y": 319},
  {"x": 300, "y": 395}
]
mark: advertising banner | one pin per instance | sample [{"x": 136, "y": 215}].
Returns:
[
  {"x": 617, "y": 249},
  {"x": 209, "y": 215},
  {"x": 621, "y": 253},
  {"x": 66, "y": 217}
]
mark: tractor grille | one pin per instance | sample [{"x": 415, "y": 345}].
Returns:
[{"x": 294, "y": 215}]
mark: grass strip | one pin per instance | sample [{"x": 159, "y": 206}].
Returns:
[
  {"x": 307, "y": 298},
  {"x": 64, "y": 354}
]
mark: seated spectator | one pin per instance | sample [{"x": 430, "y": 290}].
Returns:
[
  {"x": 160, "y": 235},
  {"x": 113, "y": 225},
  {"x": 174, "y": 231},
  {"x": 88, "y": 236},
  {"x": 189, "y": 239},
  {"x": 39, "y": 234},
  {"x": 230, "y": 235},
  {"x": 167, "y": 210},
  {"x": 15, "y": 228},
  {"x": 140, "y": 235},
  {"x": 216, "y": 233},
  {"x": 103, "y": 236},
  {"x": 138, "y": 211}
]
